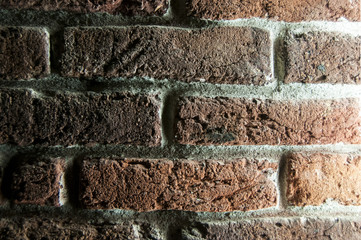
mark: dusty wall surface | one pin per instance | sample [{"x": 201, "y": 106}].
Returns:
[{"x": 180, "y": 119}]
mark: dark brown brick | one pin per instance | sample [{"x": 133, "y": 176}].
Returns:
[
  {"x": 281, "y": 10},
  {"x": 63, "y": 228},
  {"x": 320, "y": 57},
  {"x": 314, "y": 178},
  {"x": 147, "y": 185},
  {"x": 127, "y": 7},
  {"x": 231, "y": 121},
  {"x": 24, "y": 53},
  {"x": 274, "y": 229},
  {"x": 37, "y": 182},
  {"x": 68, "y": 119},
  {"x": 234, "y": 55}
]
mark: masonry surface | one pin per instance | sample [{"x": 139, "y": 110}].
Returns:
[{"x": 180, "y": 119}]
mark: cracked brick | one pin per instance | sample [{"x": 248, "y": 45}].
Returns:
[
  {"x": 233, "y": 55},
  {"x": 147, "y": 185},
  {"x": 125, "y": 7},
  {"x": 313, "y": 178},
  {"x": 321, "y": 57},
  {"x": 232, "y": 121},
  {"x": 281, "y": 10},
  {"x": 69, "y": 119}
]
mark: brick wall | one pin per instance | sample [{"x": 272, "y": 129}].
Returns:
[{"x": 180, "y": 119}]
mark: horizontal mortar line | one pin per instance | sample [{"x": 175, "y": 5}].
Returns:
[
  {"x": 275, "y": 90},
  {"x": 183, "y": 151}
]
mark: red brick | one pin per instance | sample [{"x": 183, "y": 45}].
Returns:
[
  {"x": 281, "y": 10},
  {"x": 147, "y": 185},
  {"x": 231, "y": 121},
  {"x": 314, "y": 178},
  {"x": 68, "y": 119},
  {"x": 24, "y": 53},
  {"x": 75, "y": 228},
  {"x": 134, "y": 7},
  {"x": 37, "y": 182},
  {"x": 275, "y": 229},
  {"x": 234, "y": 55},
  {"x": 320, "y": 57}
]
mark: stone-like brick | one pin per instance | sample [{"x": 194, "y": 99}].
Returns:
[
  {"x": 296, "y": 228},
  {"x": 130, "y": 8},
  {"x": 24, "y": 53},
  {"x": 68, "y": 119},
  {"x": 37, "y": 182},
  {"x": 314, "y": 178},
  {"x": 63, "y": 228},
  {"x": 320, "y": 57},
  {"x": 281, "y": 10},
  {"x": 234, "y": 55},
  {"x": 146, "y": 185},
  {"x": 231, "y": 121}
]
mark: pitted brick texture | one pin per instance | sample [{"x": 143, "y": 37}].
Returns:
[
  {"x": 125, "y": 7},
  {"x": 281, "y": 10},
  {"x": 233, "y": 55},
  {"x": 68, "y": 119},
  {"x": 37, "y": 182},
  {"x": 66, "y": 228},
  {"x": 231, "y": 121},
  {"x": 321, "y": 57},
  {"x": 314, "y": 178},
  {"x": 306, "y": 228},
  {"x": 147, "y": 185},
  {"x": 24, "y": 53}
]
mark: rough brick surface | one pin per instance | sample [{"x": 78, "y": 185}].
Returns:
[
  {"x": 126, "y": 7},
  {"x": 320, "y": 57},
  {"x": 234, "y": 55},
  {"x": 281, "y": 10},
  {"x": 146, "y": 185},
  {"x": 24, "y": 53},
  {"x": 68, "y": 119},
  {"x": 314, "y": 178},
  {"x": 37, "y": 182},
  {"x": 226, "y": 121},
  {"x": 48, "y": 228},
  {"x": 306, "y": 228}
]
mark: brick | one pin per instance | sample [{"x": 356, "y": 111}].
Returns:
[
  {"x": 147, "y": 185},
  {"x": 24, "y": 53},
  {"x": 314, "y": 178},
  {"x": 66, "y": 228},
  {"x": 37, "y": 181},
  {"x": 281, "y": 10},
  {"x": 232, "y": 121},
  {"x": 233, "y": 55},
  {"x": 68, "y": 119},
  {"x": 274, "y": 229},
  {"x": 130, "y": 8},
  {"x": 320, "y": 57}
]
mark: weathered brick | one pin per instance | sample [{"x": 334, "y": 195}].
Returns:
[
  {"x": 68, "y": 119},
  {"x": 234, "y": 55},
  {"x": 281, "y": 10},
  {"x": 37, "y": 181},
  {"x": 130, "y": 8},
  {"x": 24, "y": 53},
  {"x": 66, "y": 228},
  {"x": 231, "y": 121},
  {"x": 274, "y": 229},
  {"x": 146, "y": 185},
  {"x": 314, "y": 178},
  {"x": 320, "y": 57}
]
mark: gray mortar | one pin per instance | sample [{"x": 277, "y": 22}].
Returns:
[{"x": 169, "y": 90}]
